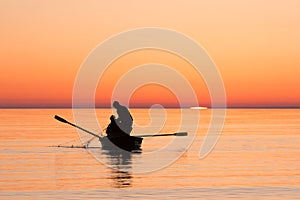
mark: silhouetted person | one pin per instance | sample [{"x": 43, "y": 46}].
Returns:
[{"x": 121, "y": 125}]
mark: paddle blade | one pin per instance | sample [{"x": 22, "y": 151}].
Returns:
[
  {"x": 181, "y": 134},
  {"x": 60, "y": 119}
]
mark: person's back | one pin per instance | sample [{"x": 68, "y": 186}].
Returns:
[
  {"x": 124, "y": 116},
  {"x": 123, "y": 122}
]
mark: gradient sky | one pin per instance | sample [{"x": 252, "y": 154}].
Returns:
[{"x": 255, "y": 45}]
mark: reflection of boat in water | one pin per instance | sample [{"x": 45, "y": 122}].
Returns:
[
  {"x": 122, "y": 179},
  {"x": 120, "y": 163}
]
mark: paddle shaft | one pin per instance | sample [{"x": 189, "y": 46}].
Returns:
[
  {"x": 65, "y": 121},
  {"x": 165, "y": 134},
  {"x": 93, "y": 134}
]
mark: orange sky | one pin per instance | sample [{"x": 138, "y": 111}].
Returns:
[{"x": 255, "y": 45}]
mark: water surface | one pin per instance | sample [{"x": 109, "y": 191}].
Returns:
[{"x": 257, "y": 156}]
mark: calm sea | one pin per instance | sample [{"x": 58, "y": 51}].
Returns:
[{"x": 256, "y": 157}]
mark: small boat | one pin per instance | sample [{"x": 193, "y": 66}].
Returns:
[
  {"x": 117, "y": 138},
  {"x": 128, "y": 143},
  {"x": 121, "y": 138}
]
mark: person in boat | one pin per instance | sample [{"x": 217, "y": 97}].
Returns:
[{"x": 121, "y": 126}]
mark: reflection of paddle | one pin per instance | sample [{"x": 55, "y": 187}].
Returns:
[
  {"x": 65, "y": 121},
  {"x": 165, "y": 134}
]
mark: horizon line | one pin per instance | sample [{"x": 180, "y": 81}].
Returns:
[{"x": 144, "y": 107}]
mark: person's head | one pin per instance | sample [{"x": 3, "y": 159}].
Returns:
[{"x": 116, "y": 104}]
